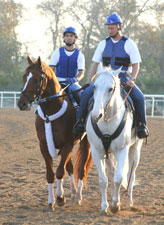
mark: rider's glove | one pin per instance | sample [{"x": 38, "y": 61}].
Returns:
[{"x": 71, "y": 80}]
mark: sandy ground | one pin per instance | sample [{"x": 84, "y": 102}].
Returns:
[{"x": 23, "y": 186}]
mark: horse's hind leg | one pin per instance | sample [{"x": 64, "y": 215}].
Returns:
[
  {"x": 69, "y": 168},
  {"x": 84, "y": 160},
  {"x": 134, "y": 157},
  {"x": 49, "y": 174}
]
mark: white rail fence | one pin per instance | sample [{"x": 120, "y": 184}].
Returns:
[{"x": 154, "y": 103}]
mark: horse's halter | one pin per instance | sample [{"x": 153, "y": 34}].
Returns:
[{"x": 39, "y": 90}]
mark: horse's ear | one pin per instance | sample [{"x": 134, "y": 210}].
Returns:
[
  {"x": 40, "y": 64},
  {"x": 29, "y": 60},
  {"x": 39, "y": 61}
]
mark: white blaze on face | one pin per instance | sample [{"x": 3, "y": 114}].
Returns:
[
  {"x": 98, "y": 104},
  {"x": 28, "y": 78}
]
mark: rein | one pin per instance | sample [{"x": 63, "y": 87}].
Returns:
[{"x": 58, "y": 94}]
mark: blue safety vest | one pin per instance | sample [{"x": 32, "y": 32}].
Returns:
[
  {"x": 67, "y": 65},
  {"x": 115, "y": 55}
]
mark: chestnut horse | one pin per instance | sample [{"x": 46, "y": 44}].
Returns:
[{"x": 54, "y": 123}]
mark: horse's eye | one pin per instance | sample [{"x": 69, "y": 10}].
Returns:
[{"x": 110, "y": 89}]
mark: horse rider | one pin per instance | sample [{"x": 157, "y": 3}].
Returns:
[
  {"x": 68, "y": 62},
  {"x": 116, "y": 51}
]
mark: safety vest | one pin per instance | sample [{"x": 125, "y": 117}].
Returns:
[
  {"x": 67, "y": 65},
  {"x": 114, "y": 54}
]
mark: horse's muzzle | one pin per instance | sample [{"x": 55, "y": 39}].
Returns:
[{"x": 23, "y": 106}]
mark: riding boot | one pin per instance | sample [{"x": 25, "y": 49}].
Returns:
[
  {"x": 82, "y": 113},
  {"x": 78, "y": 127},
  {"x": 142, "y": 131}
]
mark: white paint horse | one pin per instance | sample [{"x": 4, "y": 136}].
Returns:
[{"x": 109, "y": 129}]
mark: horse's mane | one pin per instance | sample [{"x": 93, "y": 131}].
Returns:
[{"x": 48, "y": 70}]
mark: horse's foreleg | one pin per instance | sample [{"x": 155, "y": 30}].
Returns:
[
  {"x": 112, "y": 168},
  {"x": 134, "y": 158},
  {"x": 121, "y": 157},
  {"x": 103, "y": 180},
  {"x": 49, "y": 173},
  {"x": 65, "y": 157},
  {"x": 69, "y": 168}
]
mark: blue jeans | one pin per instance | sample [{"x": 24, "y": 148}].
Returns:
[
  {"x": 136, "y": 95},
  {"x": 74, "y": 87},
  {"x": 86, "y": 96}
]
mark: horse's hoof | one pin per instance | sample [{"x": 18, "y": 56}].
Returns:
[
  {"x": 60, "y": 200},
  {"x": 114, "y": 209},
  {"x": 51, "y": 206},
  {"x": 104, "y": 212},
  {"x": 79, "y": 202}
]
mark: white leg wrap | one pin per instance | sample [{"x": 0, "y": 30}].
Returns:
[
  {"x": 59, "y": 189},
  {"x": 72, "y": 183},
  {"x": 79, "y": 193},
  {"x": 51, "y": 197}
]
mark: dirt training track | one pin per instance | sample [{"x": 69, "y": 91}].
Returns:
[{"x": 23, "y": 187}]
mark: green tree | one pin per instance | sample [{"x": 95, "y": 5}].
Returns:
[{"x": 10, "y": 59}]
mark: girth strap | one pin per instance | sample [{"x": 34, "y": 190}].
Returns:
[{"x": 106, "y": 138}]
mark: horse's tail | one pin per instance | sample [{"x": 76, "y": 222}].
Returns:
[{"x": 82, "y": 161}]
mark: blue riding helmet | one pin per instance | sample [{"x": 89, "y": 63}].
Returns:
[
  {"x": 113, "y": 19},
  {"x": 70, "y": 30}
]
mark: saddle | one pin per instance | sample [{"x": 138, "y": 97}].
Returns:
[{"x": 73, "y": 95}]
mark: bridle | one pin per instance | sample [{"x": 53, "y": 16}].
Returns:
[
  {"x": 39, "y": 90},
  {"x": 108, "y": 103}
]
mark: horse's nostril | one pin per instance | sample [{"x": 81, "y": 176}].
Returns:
[{"x": 22, "y": 106}]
